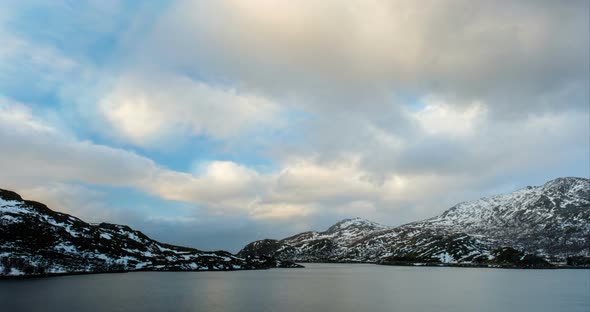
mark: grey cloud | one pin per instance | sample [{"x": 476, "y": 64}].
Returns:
[{"x": 510, "y": 52}]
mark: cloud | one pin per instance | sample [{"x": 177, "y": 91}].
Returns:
[
  {"x": 513, "y": 52},
  {"x": 39, "y": 151},
  {"x": 77, "y": 200},
  {"x": 40, "y": 155},
  {"x": 440, "y": 118},
  {"x": 401, "y": 108},
  {"x": 21, "y": 60},
  {"x": 147, "y": 110},
  {"x": 281, "y": 211},
  {"x": 483, "y": 72},
  {"x": 299, "y": 189}
]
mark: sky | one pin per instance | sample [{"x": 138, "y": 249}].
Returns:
[{"x": 211, "y": 124}]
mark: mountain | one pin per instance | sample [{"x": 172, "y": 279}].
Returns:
[
  {"x": 526, "y": 227},
  {"x": 330, "y": 245},
  {"x": 552, "y": 220},
  {"x": 35, "y": 240}
]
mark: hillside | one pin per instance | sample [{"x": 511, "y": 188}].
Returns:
[
  {"x": 551, "y": 222},
  {"x": 35, "y": 240}
]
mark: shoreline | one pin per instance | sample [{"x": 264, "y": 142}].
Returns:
[
  {"x": 48, "y": 275},
  {"x": 553, "y": 266},
  {"x": 488, "y": 266},
  {"x": 438, "y": 265}
]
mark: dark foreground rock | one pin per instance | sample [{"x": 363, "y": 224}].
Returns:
[{"x": 37, "y": 241}]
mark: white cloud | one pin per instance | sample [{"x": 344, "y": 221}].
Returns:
[
  {"x": 440, "y": 118},
  {"x": 41, "y": 156},
  {"x": 26, "y": 64},
  {"x": 19, "y": 114},
  {"x": 281, "y": 211},
  {"x": 36, "y": 150},
  {"x": 306, "y": 180},
  {"x": 77, "y": 200},
  {"x": 146, "y": 110}
]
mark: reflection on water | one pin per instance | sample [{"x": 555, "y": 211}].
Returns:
[{"x": 318, "y": 287}]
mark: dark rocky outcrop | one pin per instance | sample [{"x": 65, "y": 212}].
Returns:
[{"x": 35, "y": 240}]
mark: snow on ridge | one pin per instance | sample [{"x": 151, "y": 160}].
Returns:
[
  {"x": 552, "y": 220},
  {"x": 53, "y": 242},
  {"x": 524, "y": 199},
  {"x": 356, "y": 222},
  {"x": 13, "y": 206}
]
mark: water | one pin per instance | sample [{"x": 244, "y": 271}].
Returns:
[{"x": 319, "y": 287}]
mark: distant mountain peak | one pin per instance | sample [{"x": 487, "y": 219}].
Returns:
[
  {"x": 569, "y": 185},
  {"x": 567, "y": 180},
  {"x": 355, "y": 222},
  {"x": 551, "y": 220},
  {"x": 9, "y": 195}
]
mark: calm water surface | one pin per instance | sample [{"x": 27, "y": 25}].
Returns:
[{"x": 318, "y": 287}]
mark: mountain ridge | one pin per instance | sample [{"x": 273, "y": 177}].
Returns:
[
  {"x": 37, "y": 241},
  {"x": 550, "y": 221}
]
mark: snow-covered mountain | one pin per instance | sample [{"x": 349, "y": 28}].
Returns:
[
  {"x": 329, "y": 245},
  {"x": 551, "y": 221},
  {"x": 35, "y": 240}
]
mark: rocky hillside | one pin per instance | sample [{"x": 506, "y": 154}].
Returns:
[
  {"x": 35, "y": 240},
  {"x": 551, "y": 221},
  {"x": 316, "y": 246}
]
